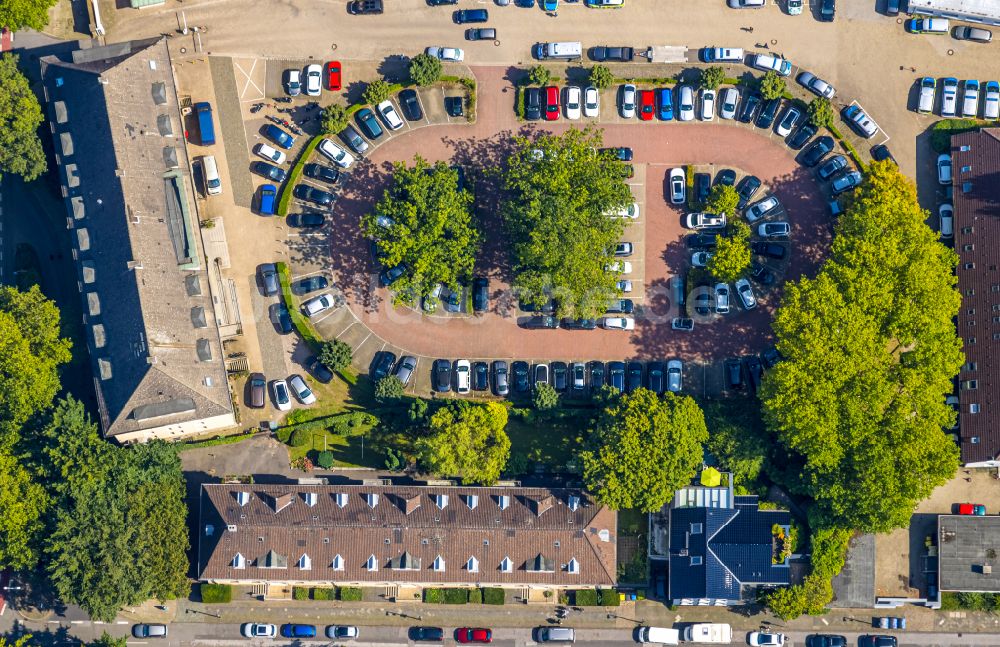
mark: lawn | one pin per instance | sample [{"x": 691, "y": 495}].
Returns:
[
  {"x": 342, "y": 434},
  {"x": 552, "y": 438}
]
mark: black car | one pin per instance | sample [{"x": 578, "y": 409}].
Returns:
[
  {"x": 734, "y": 374},
  {"x": 559, "y": 376},
  {"x": 799, "y": 138},
  {"x": 480, "y": 376},
  {"x": 616, "y": 376},
  {"x": 382, "y": 364},
  {"x": 319, "y": 370},
  {"x": 578, "y": 324},
  {"x": 453, "y": 106},
  {"x": 429, "y": 634},
  {"x": 465, "y": 16},
  {"x": 623, "y": 153},
  {"x": 619, "y": 54},
  {"x": 762, "y": 275},
  {"x": 353, "y": 139},
  {"x": 438, "y": 3},
  {"x": 480, "y": 294},
  {"x": 269, "y": 171},
  {"x": 825, "y": 640},
  {"x": 749, "y": 110},
  {"x": 881, "y": 153},
  {"x": 368, "y": 123},
  {"x": 726, "y": 177},
  {"x": 820, "y": 147},
  {"x": 314, "y": 195},
  {"x": 390, "y": 275},
  {"x": 877, "y": 641},
  {"x": 754, "y": 372},
  {"x": 828, "y": 10},
  {"x": 634, "y": 380},
  {"x": 541, "y": 375},
  {"x": 747, "y": 189},
  {"x": 306, "y": 220},
  {"x": 322, "y": 172},
  {"x": 442, "y": 375},
  {"x": 767, "y": 113},
  {"x": 411, "y": 105},
  {"x": 482, "y": 33},
  {"x": 703, "y": 301},
  {"x": 362, "y": 7},
  {"x": 655, "y": 377},
  {"x": 519, "y": 371},
  {"x": 281, "y": 319},
  {"x": 771, "y": 250},
  {"x": 596, "y": 375},
  {"x": 533, "y": 104},
  {"x": 702, "y": 186},
  {"x": 311, "y": 284},
  {"x": 701, "y": 241},
  {"x": 540, "y": 323}
]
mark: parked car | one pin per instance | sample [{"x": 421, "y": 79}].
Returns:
[
  {"x": 269, "y": 153},
  {"x": 765, "y": 639},
  {"x": 721, "y": 298},
  {"x": 293, "y": 82},
  {"x": 675, "y": 376},
  {"x": 827, "y": 640},
  {"x": 362, "y": 7},
  {"x": 616, "y": 376},
  {"x": 754, "y": 371},
  {"x": 578, "y": 376},
  {"x": 268, "y": 279},
  {"x": 302, "y": 392},
  {"x": 480, "y": 376},
  {"x": 278, "y": 136},
  {"x": 480, "y": 294},
  {"x": 333, "y": 76},
  {"x": 774, "y": 230},
  {"x": 665, "y": 105},
  {"x": 700, "y": 259},
  {"x": 623, "y": 249},
  {"x": 520, "y": 372},
  {"x": 501, "y": 380},
  {"x": 540, "y": 323},
  {"x": 257, "y": 630},
  {"x": 846, "y": 181},
  {"x": 551, "y": 103},
  {"x": 618, "y": 323},
  {"x": 353, "y": 139},
  {"x": 745, "y": 293},
  {"x": 390, "y": 275},
  {"x": 746, "y": 4},
  {"x": 306, "y": 220},
  {"x": 442, "y": 375},
  {"x": 729, "y": 100},
  {"x": 946, "y": 220},
  {"x": 268, "y": 199},
  {"x": 578, "y": 324},
  {"x": 702, "y": 186},
  {"x": 720, "y": 55},
  {"x": 465, "y": 16},
  {"x": 559, "y": 378},
  {"x": 591, "y": 102},
  {"x": 279, "y": 392},
  {"x": 733, "y": 370},
  {"x": 611, "y": 54},
  {"x": 314, "y": 80},
  {"x": 389, "y": 116},
  {"x": 145, "y": 630},
  {"x": 382, "y": 365},
  {"x": 877, "y": 641},
  {"x": 828, "y": 10},
  {"x": 322, "y": 172},
  {"x": 573, "y": 99},
  {"x": 533, "y": 104},
  {"x": 312, "y": 194},
  {"x": 405, "y": 368},
  {"x": 788, "y": 121},
  {"x": 860, "y": 121},
  {"x": 802, "y": 135},
  {"x": 685, "y": 103},
  {"x": 268, "y": 171},
  {"x": 771, "y": 250},
  {"x": 768, "y": 111},
  {"x": 831, "y": 167},
  {"x": 761, "y": 208},
  {"x": 627, "y": 100},
  {"x": 751, "y": 103},
  {"x": 682, "y": 323},
  {"x": 762, "y": 275},
  {"x": 975, "y": 34},
  {"x": 991, "y": 101},
  {"x": 318, "y": 305},
  {"x": 335, "y": 153},
  {"x": 540, "y": 375},
  {"x": 446, "y": 54},
  {"x": 280, "y": 318},
  {"x": 976, "y": 509},
  {"x": 678, "y": 186},
  {"x": 647, "y": 105},
  {"x": 426, "y": 634},
  {"x": 369, "y": 124},
  {"x": 970, "y": 99},
  {"x": 596, "y": 375},
  {"x": 633, "y": 376},
  {"x": 816, "y": 85},
  {"x": 699, "y": 220},
  {"x": 707, "y": 105},
  {"x": 949, "y": 96},
  {"x": 623, "y": 306},
  {"x": 298, "y": 631},
  {"x": 817, "y": 150}
]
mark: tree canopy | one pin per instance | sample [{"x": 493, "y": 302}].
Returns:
[
  {"x": 539, "y": 75},
  {"x": 772, "y": 85},
  {"x": 376, "y": 91},
  {"x": 23, "y": 502},
  {"x": 723, "y": 198},
  {"x": 601, "y": 77},
  {"x": 643, "y": 448},
  {"x": 712, "y": 77},
  {"x": 20, "y": 114},
  {"x": 425, "y": 69},
  {"x": 336, "y": 355},
  {"x": 333, "y": 119},
  {"x": 557, "y": 190},
  {"x": 870, "y": 351},
  {"x": 821, "y": 112},
  {"x": 18, "y": 14},
  {"x": 468, "y": 442},
  {"x": 732, "y": 253}
]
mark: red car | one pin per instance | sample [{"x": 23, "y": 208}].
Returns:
[
  {"x": 551, "y": 103},
  {"x": 647, "y": 105},
  {"x": 333, "y": 75},
  {"x": 469, "y": 635},
  {"x": 972, "y": 508}
]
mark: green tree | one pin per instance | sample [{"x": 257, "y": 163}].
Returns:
[
  {"x": 22, "y": 641},
  {"x": 469, "y": 443},
  {"x": 539, "y": 75},
  {"x": 732, "y": 254},
  {"x": 821, "y": 112},
  {"x": 772, "y": 86},
  {"x": 325, "y": 459},
  {"x": 23, "y": 503},
  {"x": 20, "y": 115},
  {"x": 333, "y": 119},
  {"x": 388, "y": 388},
  {"x": 545, "y": 397},
  {"x": 18, "y": 14},
  {"x": 336, "y": 355},
  {"x": 600, "y": 77},
  {"x": 643, "y": 448},
  {"x": 107, "y": 640},
  {"x": 425, "y": 69},
  {"x": 723, "y": 199},
  {"x": 557, "y": 190},
  {"x": 377, "y": 91},
  {"x": 425, "y": 222},
  {"x": 737, "y": 439},
  {"x": 712, "y": 78}
]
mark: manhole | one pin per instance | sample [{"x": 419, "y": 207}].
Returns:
[
  {"x": 496, "y": 43},
  {"x": 333, "y": 46},
  {"x": 951, "y": 52},
  {"x": 184, "y": 50}
]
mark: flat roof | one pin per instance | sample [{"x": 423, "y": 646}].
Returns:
[
  {"x": 973, "y": 9},
  {"x": 968, "y": 548}
]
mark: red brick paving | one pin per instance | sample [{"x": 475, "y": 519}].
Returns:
[{"x": 660, "y": 146}]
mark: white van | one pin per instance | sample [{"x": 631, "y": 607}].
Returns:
[
  {"x": 927, "y": 25},
  {"x": 925, "y": 102},
  {"x": 770, "y": 63},
  {"x": 568, "y": 51},
  {"x": 659, "y": 635},
  {"x": 213, "y": 183}
]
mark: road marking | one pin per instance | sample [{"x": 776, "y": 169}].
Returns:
[{"x": 353, "y": 323}]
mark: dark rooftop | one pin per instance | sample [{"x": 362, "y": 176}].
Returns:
[{"x": 968, "y": 547}]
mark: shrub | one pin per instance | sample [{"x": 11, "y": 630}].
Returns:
[
  {"x": 712, "y": 78},
  {"x": 475, "y": 596},
  {"x": 772, "y": 86},
  {"x": 539, "y": 75},
  {"x": 943, "y": 130},
  {"x": 350, "y": 594},
  {"x": 300, "y": 438},
  {"x": 333, "y": 119},
  {"x": 608, "y": 597},
  {"x": 546, "y": 397},
  {"x": 425, "y": 69},
  {"x": 394, "y": 460},
  {"x": 216, "y": 593},
  {"x": 519, "y": 102},
  {"x": 388, "y": 388},
  {"x": 377, "y": 91},
  {"x": 324, "y": 594},
  {"x": 433, "y": 596},
  {"x": 456, "y": 596},
  {"x": 601, "y": 77},
  {"x": 585, "y": 598},
  {"x": 325, "y": 459},
  {"x": 336, "y": 355},
  {"x": 821, "y": 113},
  {"x": 300, "y": 593},
  {"x": 493, "y": 596},
  {"x": 293, "y": 176}
]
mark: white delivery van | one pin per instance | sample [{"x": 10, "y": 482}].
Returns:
[
  {"x": 659, "y": 635},
  {"x": 566, "y": 51},
  {"x": 770, "y": 63},
  {"x": 213, "y": 183},
  {"x": 708, "y": 632}
]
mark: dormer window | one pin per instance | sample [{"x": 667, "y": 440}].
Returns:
[
  {"x": 506, "y": 566},
  {"x": 371, "y": 499},
  {"x": 311, "y": 498},
  {"x": 503, "y": 501},
  {"x": 574, "y": 503},
  {"x": 239, "y": 561},
  {"x": 372, "y": 563},
  {"x": 472, "y": 565},
  {"x": 305, "y": 563},
  {"x": 338, "y": 563},
  {"x": 573, "y": 567},
  {"x": 441, "y": 501},
  {"x": 341, "y": 499},
  {"x": 472, "y": 501},
  {"x": 242, "y": 498},
  {"x": 439, "y": 564}
]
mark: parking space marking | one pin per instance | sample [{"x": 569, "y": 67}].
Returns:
[
  {"x": 352, "y": 324},
  {"x": 249, "y": 82}
]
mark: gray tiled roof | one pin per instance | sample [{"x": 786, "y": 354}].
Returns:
[
  {"x": 142, "y": 230},
  {"x": 357, "y": 523}
]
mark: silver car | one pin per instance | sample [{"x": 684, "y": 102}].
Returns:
[
  {"x": 501, "y": 381},
  {"x": 675, "y": 376},
  {"x": 759, "y": 209},
  {"x": 949, "y": 96},
  {"x": 816, "y": 85},
  {"x": 627, "y": 106},
  {"x": 404, "y": 370},
  {"x": 730, "y": 100},
  {"x": 685, "y": 103}
]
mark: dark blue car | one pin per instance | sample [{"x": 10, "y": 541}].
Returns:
[
  {"x": 369, "y": 124},
  {"x": 665, "y": 104},
  {"x": 298, "y": 631},
  {"x": 279, "y": 136}
]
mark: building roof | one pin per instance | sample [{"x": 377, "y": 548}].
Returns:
[
  {"x": 129, "y": 196},
  {"x": 716, "y": 551},
  {"x": 968, "y": 547},
  {"x": 854, "y": 585},
  {"x": 976, "y": 198},
  {"x": 360, "y": 533},
  {"x": 986, "y": 11}
]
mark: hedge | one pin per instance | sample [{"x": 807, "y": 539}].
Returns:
[
  {"x": 943, "y": 130},
  {"x": 519, "y": 102},
  {"x": 609, "y": 597},
  {"x": 849, "y": 148},
  {"x": 350, "y": 594},
  {"x": 217, "y": 440},
  {"x": 475, "y": 596},
  {"x": 433, "y": 596},
  {"x": 216, "y": 593},
  {"x": 494, "y": 596},
  {"x": 293, "y": 176},
  {"x": 300, "y": 593},
  {"x": 585, "y": 598},
  {"x": 299, "y": 320},
  {"x": 456, "y": 596},
  {"x": 324, "y": 594}
]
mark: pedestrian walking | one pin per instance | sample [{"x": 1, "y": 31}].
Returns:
[{"x": 750, "y": 30}]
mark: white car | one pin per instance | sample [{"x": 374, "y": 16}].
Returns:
[
  {"x": 279, "y": 391},
  {"x": 342, "y": 632},
  {"x": 270, "y": 154},
  {"x": 949, "y": 96},
  {"x": 765, "y": 639},
  {"x": 314, "y": 80},
  {"x": 448, "y": 54},
  {"x": 630, "y": 211},
  {"x": 621, "y": 267},
  {"x": 700, "y": 259},
  {"x": 627, "y": 105},
  {"x": 317, "y": 305},
  {"x": 816, "y": 85},
  {"x": 774, "y": 230},
  {"x": 991, "y": 101},
  {"x": 788, "y": 121},
  {"x": 624, "y": 285},
  {"x": 944, "y": 168},
  {"x": 708, "y": 105},
  {"x": 761, "y": 208},
  {"x": 259, "y": 630},
  {"x": 685, "y": 103},
  {"x": 678, "y": 186},
  {"x": 293, "y": 85},
  {"x": 730, "y": 100},
  {"x": 675, "y": 376},
  {"x": 699, "y": 220},
  {"x": 946, "y": 220},
  {"x": 302, "y": 392},
  {"x": 745, "y": 292},
  {"x": 591, "y": 102},
  {"x": 389, "y": 115},
  {"x": 618, "y": 323},
  {"x": 337, "y": 155},
  {"x": 572, "y": 102},
  {"x": 463, "y": 375},
  {"x": 722, "y": 298},
  {"x": 970, "y": 99}
]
